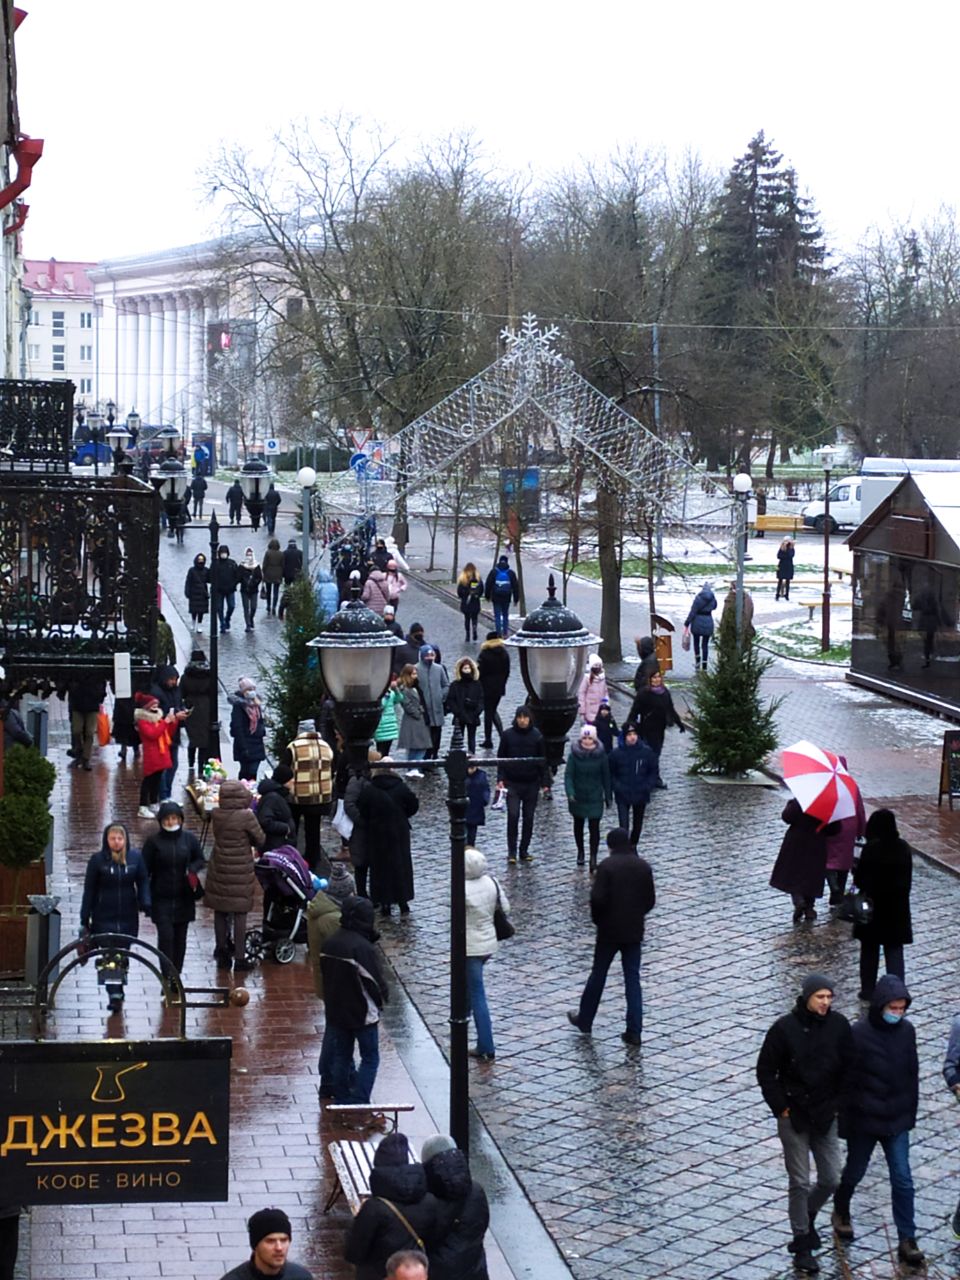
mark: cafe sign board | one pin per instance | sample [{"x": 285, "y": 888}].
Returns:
[{"x": 108, "y": 1121}]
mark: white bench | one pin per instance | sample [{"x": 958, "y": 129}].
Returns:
[{"x": 353, "y": 1157}]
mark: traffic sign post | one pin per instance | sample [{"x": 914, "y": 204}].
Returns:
[{"x": 272, "y": 445}]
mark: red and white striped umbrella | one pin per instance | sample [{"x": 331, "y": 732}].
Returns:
[{"x": 820, "y": 783}]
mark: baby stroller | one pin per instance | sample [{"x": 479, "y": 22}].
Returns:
[{"x": 287, "y": 884}]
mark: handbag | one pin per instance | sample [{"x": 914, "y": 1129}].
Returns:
[
  {"x": 502, "y": 926},
  {"x": 685, "y": 639},
  {"x": 195, "y": 886},
  {"x": 341, "y": 822},
  {"x": 263, "y": 592},
  {"x": 856, "y": 907},
  {"x": 103, "y": 727}
]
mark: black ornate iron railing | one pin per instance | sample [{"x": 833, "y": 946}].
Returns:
[
  {"x": 36, "y": 425},
  {"x": 78, "y": 575}
]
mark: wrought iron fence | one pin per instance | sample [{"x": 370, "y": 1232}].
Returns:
[
  {"x": 36, "y": 424},
  {"x": 78, "y": 575}
]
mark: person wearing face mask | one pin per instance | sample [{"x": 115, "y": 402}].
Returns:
[
  {"x": 173, "y": 859},
  {"x": 885, "y": 874},
  {"x": 465, "y": 700},
  {"x": 249, "y": 578},
  {"x": 248, "y": 728},
  {"x": 653, "y": 712},
  {"x": 586, "y": 780},
  {"x": 433, "y": 682},
  {"x": 115, "y": 891},
  {"x": 880, "y": 1105},
  {"x": 593, "y": 690},
  {"x": 802, "y": 1070},
  {"x": 224, "y": 574},
  {"x": 197, "y": 590}
]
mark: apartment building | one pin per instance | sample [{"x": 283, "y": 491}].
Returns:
[{"x": 60, "y": 333}]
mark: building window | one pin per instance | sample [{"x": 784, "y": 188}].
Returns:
[
  {"x": 33, "y": 350},
  {"x": 58, "y": 319},
  {"x": 86, "y": 354},
  {"x": 33, "y": 316},
  {"x": 59, "y": 358},
  {"x": 86, "y": 319},
  {"x": 86, "y": 386}
]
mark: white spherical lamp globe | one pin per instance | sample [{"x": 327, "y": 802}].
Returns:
[
  {"x": 742, "y": 483},
  {"x": 306, "y": 477}
]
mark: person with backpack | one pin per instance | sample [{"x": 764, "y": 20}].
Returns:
[
  {"x": 501, "y": 588},
  {"x": 470, "y": 594}
]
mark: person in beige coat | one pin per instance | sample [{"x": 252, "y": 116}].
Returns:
[{"x": 230, "y": 878}]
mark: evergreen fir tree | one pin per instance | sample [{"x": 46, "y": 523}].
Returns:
[
  {"x": 292, "y": 684},
  {"x": 733, "y": 731}
]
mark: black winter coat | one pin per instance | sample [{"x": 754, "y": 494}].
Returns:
[
  {"x": 804, "y": 1064},
  {"x": 785, "y": 564},
  {"x": 274, "y": 814},
  {"x": 465, "y": 701},
  {"x": 493, "y": 664},
  {"x": 249, "y": 579},
  {"x": 463, "y": 1216},
  {"x": 352, "y": 975},
  {"x": 621, "y": 895},
  {"x": 114, "y": 894},
  {"x": 882, "y": 1087},
  {"x": 292, "y": 564},
  {"x": 195, "y": 690},
  {"x": 471, "y": 594},
  {"x": 376, "y": 1232},
  {"x": 224, "y": 574},
  {"x": 802, "y": 861},
  {"x": 521, "y": 742},
  {"x": 196, "y": 589},
  {"x": 168, "y": 856},
  {"x": 885, "y": 874},
  {"x": 386, "y": 805},
  {"x": 247, "y": 743},
  {"x": 633, "y": 772},
  {"x": 653, "y": 713},
  {"x": 234, "y": 496}
]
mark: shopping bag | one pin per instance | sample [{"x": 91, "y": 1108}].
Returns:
[{"x": 103, "y": 727}]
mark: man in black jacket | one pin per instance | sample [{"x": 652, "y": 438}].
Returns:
[
  {"x": 270, "y": 1235},
  {"x": 622, "y": 894},
  {"x": 292, "y": 562},
  {"x": 271, "y": 505},
  {"x": 802, "y": 1071},
  {"x": 355, "y": 991},
  {"x": 198, "y": 487},
  {"x": 234, "y": 497},
  {"x": 225, "y": 577},
  {"x": 522, "y": 778}
]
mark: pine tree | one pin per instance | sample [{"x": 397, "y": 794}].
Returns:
[
  {"x": 733, "y": 731},
  {"x": 292, "y": 683}
]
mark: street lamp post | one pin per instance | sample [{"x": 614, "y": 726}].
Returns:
[
  {"x": 213, "y": 741},
  {"x": 170, "y": 478},
  {"x": 826, "y": 460},
  {"x": 741, "y": 491},
  {"x": 118, "y": 438},
  {"x": 255, "y": 476},
  {"x": 306, "y": 479},
  {"x": 95, "y": 433}
]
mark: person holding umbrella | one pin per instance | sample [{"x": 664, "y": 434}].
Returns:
[{"x": 824, "y": 794}]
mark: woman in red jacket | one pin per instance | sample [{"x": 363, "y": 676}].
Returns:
[{"x": 155, "y": 734}]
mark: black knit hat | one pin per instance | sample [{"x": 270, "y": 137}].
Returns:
[
  {"x": 814, "y": 982},
  {"x": 268, "y": 1222},
  {"x": 618, "y": 839}
]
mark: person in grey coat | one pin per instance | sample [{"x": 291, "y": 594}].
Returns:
[
  {"x": 434, "y": 683},
  {"x": 700, "y": 624},
  {"x": 414, "y": 737}
]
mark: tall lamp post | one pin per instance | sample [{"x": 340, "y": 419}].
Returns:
[
  {"x": 826, "y": 461},
  {"x": 306, "y": 479},
  {"x": 213, "y": 741},
  {"x": 741, "y": 492},
  {"x": 170, "y": 478},
  {"x": 118, "y": 438},
  {"x": 255, "y": 476},
  {"x": 95, "y": 435}
]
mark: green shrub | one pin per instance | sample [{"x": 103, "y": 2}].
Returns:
[
  {"x": 292, "y": 685},
  {"x": 27, "y": 773},
  {"x": 25, "y": 825}
]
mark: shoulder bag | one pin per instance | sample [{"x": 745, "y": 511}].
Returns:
[
  {"x": 390, "y": 1205},
  {"x": 502, "y": 926}
]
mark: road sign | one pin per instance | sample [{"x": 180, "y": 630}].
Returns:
[
  {"x": 360, "y": 438},
  {"x": 358, "y": 463},
  {"x": 272, "y": 445}
]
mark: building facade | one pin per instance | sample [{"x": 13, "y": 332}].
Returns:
[{"x": 60, "y": 329}]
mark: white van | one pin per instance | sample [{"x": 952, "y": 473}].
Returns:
[
  {"x": 854, "y": 497},
  {"x": 844, "y": 507}
]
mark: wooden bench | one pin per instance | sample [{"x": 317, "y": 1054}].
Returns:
[
  {"x": 778, "y": 524},
  {"x": 816, "y": 604},
  {"x": 353, "y": 1157}
]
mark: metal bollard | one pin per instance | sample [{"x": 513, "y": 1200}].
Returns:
[{"x": 43, "y": 936}]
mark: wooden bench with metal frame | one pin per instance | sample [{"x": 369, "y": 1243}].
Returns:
[
  {"x": 353, "y": 1157},
  {"x": 778, "y": 524}
]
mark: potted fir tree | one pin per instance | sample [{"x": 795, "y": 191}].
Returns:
[{"x": 26, "y": 830}]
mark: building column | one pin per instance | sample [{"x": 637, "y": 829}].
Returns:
[
  {"x": 128, "y": 357},
  {"x": 182, "y": 379},
  {"x": 143, "y": 358},
  {"x": 196, "y": 352},
  {"x": 156, "y": 360},
  {"x": 209, "y": 313},
  {"x": 168, "y": 381}
]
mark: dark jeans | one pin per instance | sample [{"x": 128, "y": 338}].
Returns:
[
  {"x": 150, "y": 787},
  {"x": 477, "y": 997},
  {"x": 470, "y": 732},
  {"x": 896, "y": 1148},
  {"x": 701, "y": 645},
  {"x": 870, "y": 963},
  {"x": 339, "y": 1046},
  {"x": 198, "y": 508},
  {"x": 521, "y": 797},
  {"x": 248, "y": 770},
  {"x": 311, "y": 815},
  {"x": 249, "y": 602},
  {"x": 594, "y": 824},
  {"x": 270, "y": 520},
  {"x": 472, "y": 833},
  {"x": 603, "y": 954},
  {"x": 83, "y": 730},
  {"x": 273, "y": 596},
  {"x": 436, "y": 732},
  {"x": 236, "y": 513},
  {"x": 470, "y": 624},
  {"x": 630, "y": 817},
  {"x": 225, "y": 607},
  {"x": 230, "y": 930},
  {"x": 168, "y": 775},
  {"x": 172, "y": 939},
  {"x": 501, "y": 616},
  {"x": 491, "y": 717}
]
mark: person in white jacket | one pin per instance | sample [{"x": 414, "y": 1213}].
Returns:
[{"x": 482, "y": 891}]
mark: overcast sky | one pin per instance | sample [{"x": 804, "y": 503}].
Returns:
[{"x": 133, "y": 96}]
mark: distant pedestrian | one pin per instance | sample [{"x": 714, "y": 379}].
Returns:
[
  {"x": 84, "y": 701},
  {"x": 195, "y": 689},
  {"x": 323, "y": 921},
  {"x": 380, "y": 556},
  {"x": 224, "y": 576},
  {"x": 311, "y": 760},
  {"x": 482, "y": 896},
  {"x": 801, "y": 864},
  {"x": 593, "y": 690},
  {"x": 653, "y": 713},
  {"x": 463, "y": 1215},
  {"x": 501, "y": 588},
  {"x": 166, "y": 689},
  {"x": 399, "y": 1211},
  {"x": 880, "y": 1105},
  {"x": 649, "y": 662},
  {"x": 115, "y": 891},
  {"x": 699, "y": 624},
  {"x": 409, "y": 651},
  {"x": 396, "y": 583},
  {"x": 124, "y": 729},
  {"x": 197, "y": 590},
  {"x": 621, "y": 897},
  {"x": 388, "y": 727},
  {"x": 271, "y": 505},
  {"x": 390, "y": 619},
  {"x": 433, "y": 682},
  {"x": 785, "y": 555},
  {"x": 951, "y": 1074},
  {"x": 478, "y": 797},
  {"x": 154, "y": 729},
  {"x": 248, "y": 728},
  {"x": 885, "y": 874},
  {"x": 230, "y": 883},
  {"x": 802, "y": 1071},
  {"x": 470, "y": 595},
  {"x": 249, "y": 578},
  {"x": 414, "y": 736},
  {"x": 606, "y": 727},
  {"x": 355, "y": 990},
  {"x": 633, "y": 775},
  {"x": 272, "y": 570},
  {"x": 375, "y": 594},
  {"x": 173, "y": 859},
  {"x": 270, "y": 1235},
  {"x": 465, "y": 700},
  {"x": 274, "y": 812},
  {"x": 386, "y": 804},
  {"x": 493, "y": 668},
  {"x": 234, "y": 498},
  {"x": 841, "y": 847},
  {"x": 166, "y": 651},
  {"x": 586, "y": 781},
  {"x": 292, "y": 562},
  {"x": 521, "y": 772}
]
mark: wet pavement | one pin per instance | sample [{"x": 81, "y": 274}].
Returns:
[{"x": 648, "y": 1163}]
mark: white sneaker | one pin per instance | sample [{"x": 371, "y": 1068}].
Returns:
[
  {"x": 414, "y": 773},
  {"x": 145, "y": 811}
]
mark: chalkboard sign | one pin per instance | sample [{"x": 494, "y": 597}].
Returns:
[{"x": 950, "y": 767}]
